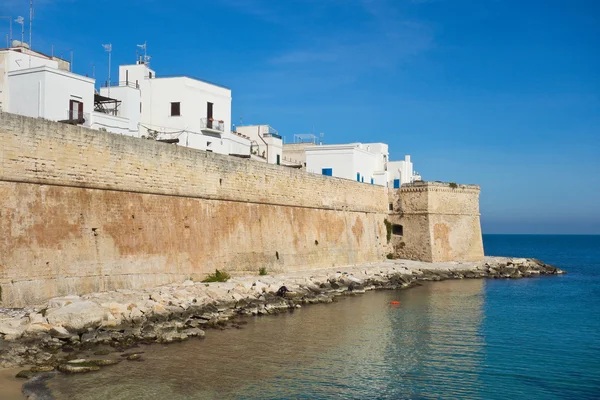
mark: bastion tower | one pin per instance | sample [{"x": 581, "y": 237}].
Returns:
[{"x": 436, "y": 222}]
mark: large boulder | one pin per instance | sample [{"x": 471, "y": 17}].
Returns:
[{"x": 77, "y": 316}]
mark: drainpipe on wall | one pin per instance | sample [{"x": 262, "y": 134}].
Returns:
[{"x": 261, "y": 138}]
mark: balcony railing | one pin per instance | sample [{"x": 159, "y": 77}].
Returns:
[
  {"x": 270, "y": 132},
  {"x": 130, "y": 84},
  {"x": 274, "y": 135},
  {"x": 76, "y": 117},
  {"x": 212, "y": 125}
]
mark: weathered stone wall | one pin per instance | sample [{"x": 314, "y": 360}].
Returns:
[
  {"x": 440, "y": 222},
  {"x": 82, "y": 211}
]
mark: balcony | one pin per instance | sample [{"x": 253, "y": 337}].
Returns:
[
  {"x": 76, "y": 117},
  {"x": 212, "y": 127}
]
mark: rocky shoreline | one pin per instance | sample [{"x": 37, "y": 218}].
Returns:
[{"x": 85, "y": 333}]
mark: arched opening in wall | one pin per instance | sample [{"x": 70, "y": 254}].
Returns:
[{"x": 397, "y": 230}]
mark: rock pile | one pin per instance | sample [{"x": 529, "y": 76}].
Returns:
[{"x": 50, "y": 336}]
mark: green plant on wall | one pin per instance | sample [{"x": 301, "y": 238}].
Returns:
[
  {"x": 218, "y": 276},
  {"x": 453, "y": 185},
  {"x": 388, "y": 227},
  {"x": 262, "y": 271}
]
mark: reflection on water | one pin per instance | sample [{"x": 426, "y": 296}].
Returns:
[{"x": 429, "y": 346}]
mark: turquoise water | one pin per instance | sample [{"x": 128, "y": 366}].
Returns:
[{"x": 535, "y": 338}]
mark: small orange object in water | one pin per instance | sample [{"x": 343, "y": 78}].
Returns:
[{"x": 394, "y": 302}]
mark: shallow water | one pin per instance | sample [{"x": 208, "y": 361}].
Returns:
[{"x": 533, "y": 338}]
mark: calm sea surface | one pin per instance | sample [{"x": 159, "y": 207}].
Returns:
[{"x": 533, "y": 338}]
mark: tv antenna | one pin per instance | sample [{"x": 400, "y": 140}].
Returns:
[
  {"x": 108, "y": 48},
  {"x": 21, "y": 20},
  {"x": 146, "y": 59}
]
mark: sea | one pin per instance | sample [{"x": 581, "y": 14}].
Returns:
[{"x": 536, "y": 338}]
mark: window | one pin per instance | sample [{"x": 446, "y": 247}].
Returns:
[
  {"x": 358, "y": 177},
  {"x": 372, "y": 181},
  {"x": 327, "y": 171},
  {"x": 397, "y": 230},
  {"x": 175, "y": 109},
  {"x": 278, "y": 159},
  {"x": 391, "y": 206},
  {"x": 150, "y": 75},
  {"x": 396, "y": 183}
]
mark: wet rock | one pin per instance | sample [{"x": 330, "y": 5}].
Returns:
[
  {"x": 25, "y": 374},
  {"x": 194, "y": 332},
  {"x": 102, "y": 352},
  {"x": 134, "y": 357},
  {"x": 89, "y": 337},
  {"x": 42, "y": 368},
  {"x": 75, "y": 369},
  {"x": 104, "y": 362}
]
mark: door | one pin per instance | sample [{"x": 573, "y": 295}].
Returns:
[
  {"x": 209, "y": 115},
  {"x": 75, "y": 110}
]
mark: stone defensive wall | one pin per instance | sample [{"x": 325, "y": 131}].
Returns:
[
  {"x": 436, "y": 222},
  {"x": 85, "y": 211}
]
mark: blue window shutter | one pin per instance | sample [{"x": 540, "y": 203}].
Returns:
[
  {"x": 327, "y": 171},
  {"x": 396, "y": 183},
  {"x": 362, "y": 179},
  {"x": 372, "y": 181},
  {"x": 358, "y": 177}
]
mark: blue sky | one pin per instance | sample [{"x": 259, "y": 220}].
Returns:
[{"x": 505, "y": 94}]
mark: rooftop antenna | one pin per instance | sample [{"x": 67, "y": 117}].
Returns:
[
  {"x": 93, "y": 71},
  {"x": 9, "y": 38},
  {"x": 144, "y": 46},
  {"x": 52, "y": 54},
  {"x": 241, "y": 117},
  {"x": 21, "y": 20},
  {"x": 30, "y": 21},
  {"x": 71, "y": 63},
  {"x": 108, "y": 48}
]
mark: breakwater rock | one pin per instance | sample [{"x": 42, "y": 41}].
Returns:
[{"x": 57, "y": 333}]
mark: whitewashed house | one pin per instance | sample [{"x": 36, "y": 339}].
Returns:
[
  {"x": 20, "y": 57},
  {"x": 187, "y": 111},
  {"x": 265, "y": 142},
  {"x": 42, "y": 86},
  {"x": 50, "y": 93},
  {"x": 37, "y": 85},
  {"x": 401, "y": 172},
  {"x": 363, "y": 162}
]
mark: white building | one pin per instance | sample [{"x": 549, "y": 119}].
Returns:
[
  {"x": 41, "y": 86},
  {"x": 363, "y": 162},
  {"x": 192, "y": 112},
  {"x": 50, "y": 93},
  {"x": 401, "y": 172},
  {"x": 266, "y": 143}
]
